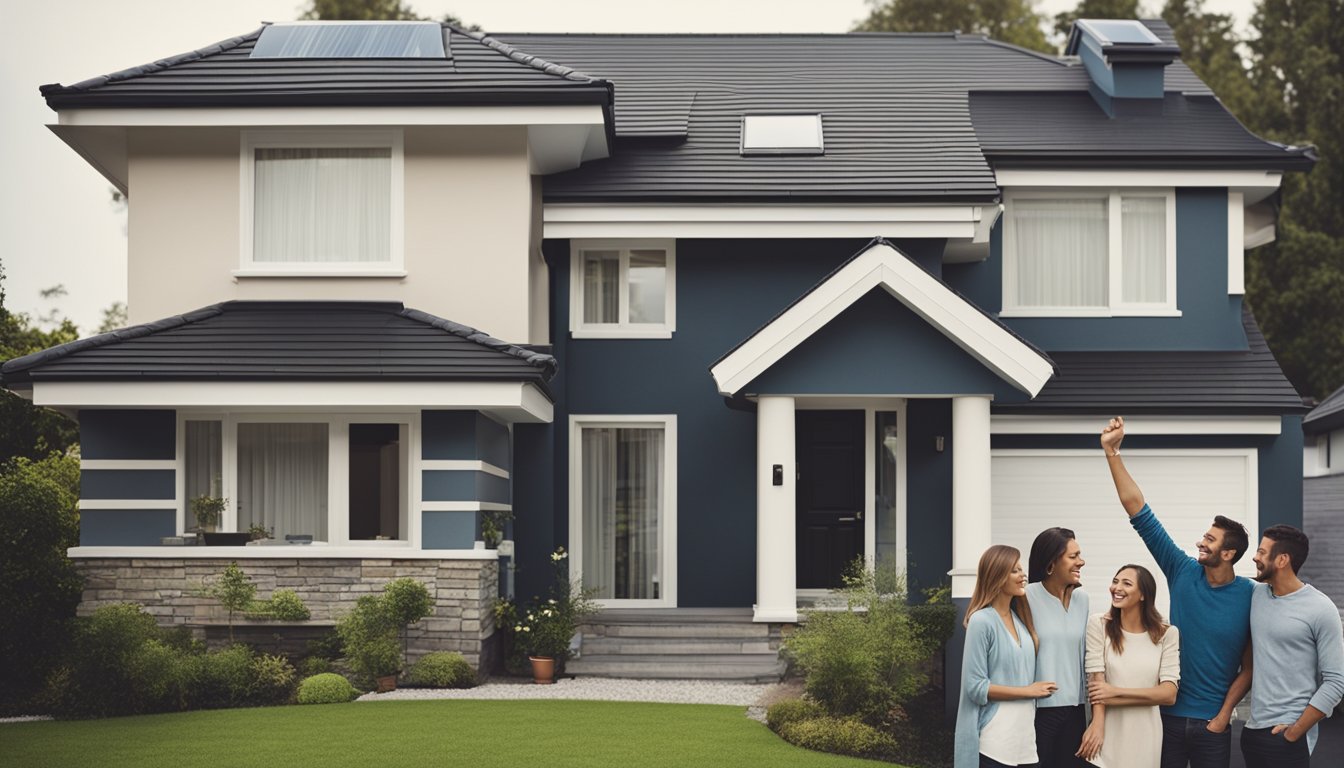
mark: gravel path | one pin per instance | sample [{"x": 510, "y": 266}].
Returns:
[{"x": 593, "y": 688}]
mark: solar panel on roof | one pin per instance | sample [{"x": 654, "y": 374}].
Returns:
[
  {"x": 1120, "y": 31},
  {"x": 351, "y": 40}
]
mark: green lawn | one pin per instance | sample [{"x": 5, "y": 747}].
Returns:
[{"x": 508, "y": 734}]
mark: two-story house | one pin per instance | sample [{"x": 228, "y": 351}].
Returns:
[{"x": 767, "y": 303}]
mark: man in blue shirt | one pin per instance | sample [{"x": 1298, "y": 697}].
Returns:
[{"x": 1212, "y": 607}]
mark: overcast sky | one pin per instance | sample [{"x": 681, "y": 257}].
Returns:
[{"x": 57, "y": 222}]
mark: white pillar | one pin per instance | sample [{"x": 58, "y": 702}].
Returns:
[
  {"x": 776, "y": 521},
  {"x": 970, "y": 490}
]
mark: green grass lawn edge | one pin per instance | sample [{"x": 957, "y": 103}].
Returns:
[{"x": 556, "y": 734}]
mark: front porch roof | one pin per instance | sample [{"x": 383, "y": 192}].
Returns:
[
  {"x": 288, "y": 353},
  {"x": 881, "y": 264}
]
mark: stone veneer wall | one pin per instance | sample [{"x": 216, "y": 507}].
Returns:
[{"x": 464, "y": 592}]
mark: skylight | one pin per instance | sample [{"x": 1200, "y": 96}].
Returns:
[
  {"x": 1120, "y": 31},
  {"x": 351, "y": 40},
  {"x": 781, "y": 135}
]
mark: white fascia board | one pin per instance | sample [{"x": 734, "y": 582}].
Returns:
[
  {"x": 576, "y": 220},
  {"x": 397, "y": 550},
  {"x": 512, "y": 401},
  {"x": 883, "y": 265},
  {"x": 559, "y": 114},
  {"x": 1266, "y": 180},
  {"x": 1012, "y": 424},
  {"x": 1236, "y": 243}
]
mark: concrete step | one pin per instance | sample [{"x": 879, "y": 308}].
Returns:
[
  {"x": 734, "y": 667},
  {"x": 597, "y": 645},
  {"x": 743, "y": 631}
]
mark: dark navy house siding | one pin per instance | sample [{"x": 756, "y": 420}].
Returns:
[
  {"x": 461, "y": 436},
  {"x": 128, "y": 435}
]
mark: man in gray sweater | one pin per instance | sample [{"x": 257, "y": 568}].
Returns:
[{"x": 1298, "y": 644}]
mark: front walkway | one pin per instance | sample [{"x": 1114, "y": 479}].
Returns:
[{"x": 594, "y": 689}]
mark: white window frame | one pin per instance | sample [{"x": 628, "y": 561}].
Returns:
[
  {"x": 667, "y": 530},
  {"x": 1116, "y": 306},
  {"x": 252, "y": 140},
  {"x": 622, "y": 329},
  {"x": 338, "y": 469}
]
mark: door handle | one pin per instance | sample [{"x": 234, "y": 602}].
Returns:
[{"x": 846, "y": 519}]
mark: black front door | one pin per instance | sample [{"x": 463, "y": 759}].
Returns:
[{"x": 830, "y": 495}]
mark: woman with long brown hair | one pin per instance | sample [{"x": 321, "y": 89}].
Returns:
[
  {"x": 1133, "y": 667},
  {"x": 996, "y": 716}
]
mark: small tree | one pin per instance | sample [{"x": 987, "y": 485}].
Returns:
[
  {"x": 235, "y": 591},
  {"x": 408, "y": 601}
]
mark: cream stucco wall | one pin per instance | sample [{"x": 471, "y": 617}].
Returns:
[{"x": 469, "y": 238}]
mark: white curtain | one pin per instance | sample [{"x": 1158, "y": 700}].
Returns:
[
  {"x": 204, "y": 460},
  {"x": 622, "y": 511},
  {"x": 1061, "y": 250},
  {"x": 648, "y": 286},
  {"x": 601, "y": 276},
  {"x": 318, "y": 204},
  {"x": 1144, "y": 262},
  {"x": 282, "y": 478}
]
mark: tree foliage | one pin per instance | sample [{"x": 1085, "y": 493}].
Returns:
[
  {"x": 1096, "y": 9},
  {"x": 25, "y": 430},
  {"x": 1011, "y": 21},
  {"x": 371, "y": 10}
]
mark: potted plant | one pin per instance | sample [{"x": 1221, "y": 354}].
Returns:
[
  {"x": 547, "y": 627},
  {"x": 492, "y": 526},
  {"x": 259, "y": 532},
  {"x": 208, "y": 510}
]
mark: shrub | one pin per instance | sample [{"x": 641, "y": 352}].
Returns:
[
  {"x": 788, "y": 711},
  {"x": 104, "y": 667},
  {"x": 441, "y": 670},
  {"x": 369, "y": 632},
  {"x": 315, "y": 665},
  {"x": 408, "y": 601},
  {"x": 39, "y": 520},
  {"x": 221, "y": 679},
  {"x": 272, "y": 680},
  {"x": 284, "y": 605},
  {"x": 869, "y": 659},
  {"x": 839, "y": 736},
  {"x": 326, "y": 688}
]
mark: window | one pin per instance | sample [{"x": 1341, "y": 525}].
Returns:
[
  {"x": 1090, "y": 254},
  {"x": 623, "y": 289},
  {"x": 782, "y": 135},
  {"x": 303, "y": 478},
  {"x": 322, "y": 203},
  {"x": 623, "y": 509}
]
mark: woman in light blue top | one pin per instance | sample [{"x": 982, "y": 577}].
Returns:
[
  {"x": 996, "y": 716},
  {"x": 1059, "y": 610}
]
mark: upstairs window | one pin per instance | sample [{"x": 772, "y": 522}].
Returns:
[
  {"x": 623, "y": 289},
  {"x": 322, "y": 203},
  {"x": 1090, "y": 254}
]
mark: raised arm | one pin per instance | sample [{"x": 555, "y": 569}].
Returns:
[{"x": 1131, "y": 498}]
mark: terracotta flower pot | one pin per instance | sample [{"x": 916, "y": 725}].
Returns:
[
  {"x": 386, "y": 683},
  {"x": 543, "y": 670}
]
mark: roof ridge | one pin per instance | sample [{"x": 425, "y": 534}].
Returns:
[
  {"x": 531, "y": 357},
  {"x": 155, "y": 66},
  {"x": 525, "y": 58},
  {"x": 59, "y": 351}
]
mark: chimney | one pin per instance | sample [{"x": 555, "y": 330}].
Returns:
[{"x": 1125, "y": 61}]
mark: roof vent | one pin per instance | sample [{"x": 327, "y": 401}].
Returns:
[
  {"x": 1125, "y": 61},
  {"x": 351, "y": 40},
  {"x": 782, "y": 135}
]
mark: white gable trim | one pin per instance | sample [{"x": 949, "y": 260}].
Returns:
[
  {"x": 883, "y": 265},
  {"x": 785, "y": 220}
]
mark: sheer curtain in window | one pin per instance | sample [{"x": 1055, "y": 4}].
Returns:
[
  {"x": 321, "y": 204},
  {"x": 1061, "y": 252},
  {"x": 622, "y": 511},
  {"x": 1144, "y": 262},
  {"x": 282, "y": 478},
  {"x": 601, "y": 286},
  {"x": 204, "y": 461},
  {"x": 648, "y": 286}
]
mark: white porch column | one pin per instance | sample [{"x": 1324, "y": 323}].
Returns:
[
  {"x": 776, "y": 574},
  {"x": 970, "y": 490}
]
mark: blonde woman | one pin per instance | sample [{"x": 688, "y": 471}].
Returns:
[
  {"x": 997, "y": 715},
  {"x": 1133, "y": 666}
]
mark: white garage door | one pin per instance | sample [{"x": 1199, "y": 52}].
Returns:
[{"x": 1038, "y": 489}]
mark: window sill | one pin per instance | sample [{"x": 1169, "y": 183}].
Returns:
[
  {"x": 1082, "y": 313},
  {"x": 338, "y": 272},
  {"x": 622, "y": 333}
]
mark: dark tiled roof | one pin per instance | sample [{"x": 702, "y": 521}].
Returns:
[
  {"x": 1327, "y": 416},
  {"x": 291, "y": 341},
  {"x": 895, "y": 111},
  {"x": 1168, "y": 382},
  {"x": 477, "y": 70},
  {"x": 1033, "y": 128}
]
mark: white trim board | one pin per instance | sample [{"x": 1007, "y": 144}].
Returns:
[
  {"x": 573, "y": 220},
  {"x": 510, "y": 401},
  {"x": 131, "y": 504},
  {"x": 284, "y": 552},
  {"x": 560, "y": 114},
  {"x": 96, "y": 464},
  {"x": 882, "y": 265},
  {"x": 1257, "y": 184},
  {"x": 1011, "y": 424},
  {"x": 459, "y": 465},
  {"x": 463, "y": 506}
]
